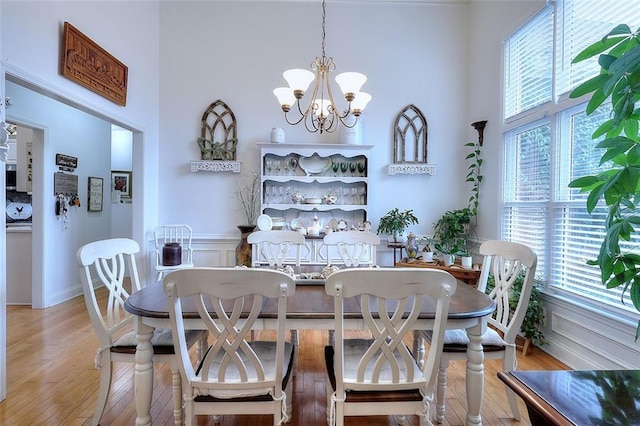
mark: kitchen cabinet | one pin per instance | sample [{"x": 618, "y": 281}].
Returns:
[
  {"x": 19, "y": 265},
  {"x": 302, "y": 182}
]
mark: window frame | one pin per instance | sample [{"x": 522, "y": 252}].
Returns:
[{"x": 551, "y": 112}]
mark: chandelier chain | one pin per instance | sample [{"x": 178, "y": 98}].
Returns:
[{"x": 324, "y": 30}]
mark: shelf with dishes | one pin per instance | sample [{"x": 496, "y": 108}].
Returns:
[{"x": 315, "y": 186}]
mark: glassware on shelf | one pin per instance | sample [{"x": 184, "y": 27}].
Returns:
[
  {"x": 361, "y": 168},
  {"x": 287, "y": 166},
  {"x": 269, "y": 167},
  {"x": 344, "y": 166},
  {"x": 335, "y": 166},
  {"x": 352, "y": 168},
  {"x": 278, "y": 167},
  {"x": 294, "y": 165}
]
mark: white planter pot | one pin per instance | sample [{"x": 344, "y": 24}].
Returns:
[
  {"x": 466, "y": 261},
  {"x": 447, "y": 259},
  {"x": 427, "y": 256}
]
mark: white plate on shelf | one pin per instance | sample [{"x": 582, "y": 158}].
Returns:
[
  {"x": 264, "y": 222},
  {"x": 315, "y": 164},
  {"x": 313, "y": 200}
]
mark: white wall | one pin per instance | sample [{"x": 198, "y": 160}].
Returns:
[
  {"x": 237, "y": 51},
  {"x": 121, "y": 159},
  {"x": 75, "y": 133},
  {"x": 31, "y": 33}
]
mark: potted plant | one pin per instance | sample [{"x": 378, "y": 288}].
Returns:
[
  {"x": 427, "y": 250},
  {"x": 395, "y": 222},
  {"x": 451, "y": 231},
  {"x": 617, "y": 187},
  {"x": 533, "y": 318}
]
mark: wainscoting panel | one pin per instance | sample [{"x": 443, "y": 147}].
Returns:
[{"x": 584, "y": 338}]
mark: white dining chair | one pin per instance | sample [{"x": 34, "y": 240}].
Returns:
[
  {"x": 505, "y": 260},
  {"x": 380, "y": 376},
  {"x": 237, "y": 375},
  {"x": 351, "y": 248},
  {"x": 275, "y": 248},
  {"x": 111, "y": 264},
  {"x": 173, "y": 233}
]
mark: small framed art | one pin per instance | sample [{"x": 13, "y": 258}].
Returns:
[
  {"x": 95, "y": 191},
  {"x": 121, "y": 182}
]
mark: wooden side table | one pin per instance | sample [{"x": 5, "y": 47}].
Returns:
[
  {"x": 395, "y": 247},
  {"x": 468, "y": 276}
]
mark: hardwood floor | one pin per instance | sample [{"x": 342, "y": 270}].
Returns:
[{"x": 52, "y": 379}]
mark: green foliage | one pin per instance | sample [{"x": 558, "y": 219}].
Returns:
[
  {"x": 395, "y": 222},
  {"x": 534, "y": 316},
  {"x": 451, "y": 231},
  {"x": 618, "y": 187},
  {"x": 474, "y": 175}
]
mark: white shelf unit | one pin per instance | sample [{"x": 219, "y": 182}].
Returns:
[{"x": 314, "y": 177}]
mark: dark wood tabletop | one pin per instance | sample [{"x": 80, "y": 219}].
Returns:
[
  {"x": 578, "y": 397},
  {"x": 311, "y": 302}
]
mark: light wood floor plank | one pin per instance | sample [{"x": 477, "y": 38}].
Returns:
[{"x": 52, "y": 379}]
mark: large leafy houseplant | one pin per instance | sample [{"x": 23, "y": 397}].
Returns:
[
  {"x": 395, "y": 222},
  {"x": 618, "y": 187},
  {"x": 451, "y": 231}
]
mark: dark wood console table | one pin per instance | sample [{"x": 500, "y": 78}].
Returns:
[
  {"x": 468, "y": 276},
  {"x": 578, "y": 397}
]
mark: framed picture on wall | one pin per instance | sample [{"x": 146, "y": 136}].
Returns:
[
  {"x": 121, "y": 182},
  {"x": 95, "y": 194}
]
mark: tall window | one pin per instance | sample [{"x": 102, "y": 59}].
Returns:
[{"x": 548, "y": 143}]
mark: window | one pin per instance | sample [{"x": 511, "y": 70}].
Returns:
[{"x": 542, "y": 155}]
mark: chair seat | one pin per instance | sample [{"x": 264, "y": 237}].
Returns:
[
  {"x": 172, "y": 267},
  {"x": 162, "y": 342},
  {"x": 457, "y": 341},
  {"x": 353, "y": 350},
  {"x": 265, "y": 351}
]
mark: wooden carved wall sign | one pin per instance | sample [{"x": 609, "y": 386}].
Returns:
[{"x": 89, "y": 65}]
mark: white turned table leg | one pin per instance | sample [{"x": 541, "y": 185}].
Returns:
[
  {"x": 143, "y": 380},
  {"x": 475, "y": 373}
]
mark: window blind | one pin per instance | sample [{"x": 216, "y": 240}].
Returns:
[
  {"x": 528, "y": 77},
  {"x": 580, "y": 23}
]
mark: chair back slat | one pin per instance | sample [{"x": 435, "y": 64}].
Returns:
[
  {"x": 509, "y": 262},
  {"x": 353, "y": 248},
  {"x": 390, "y": 300},
  {"x": 229, "y": 301},
  {"x": 275, "y": 247},
  {"x": 108, "y": 263}
]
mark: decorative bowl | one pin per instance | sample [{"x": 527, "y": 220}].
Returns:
[
  {"x": 313, "y": 200},
  {"x": 315, "y": 164}
]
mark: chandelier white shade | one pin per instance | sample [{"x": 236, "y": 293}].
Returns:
[{"x": 321, "y": 113}]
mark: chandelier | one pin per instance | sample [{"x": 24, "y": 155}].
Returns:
[{"x": 322, "y": 114}]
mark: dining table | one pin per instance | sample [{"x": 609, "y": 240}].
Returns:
[{"x": 310, "y": 308}]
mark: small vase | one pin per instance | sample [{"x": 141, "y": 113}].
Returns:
[
  {"x": 171, "y": 254},
  {"x": 411, "y": 246},
  {"x": 243, "y": 249},
  {"x": 277, "y": 135}
]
